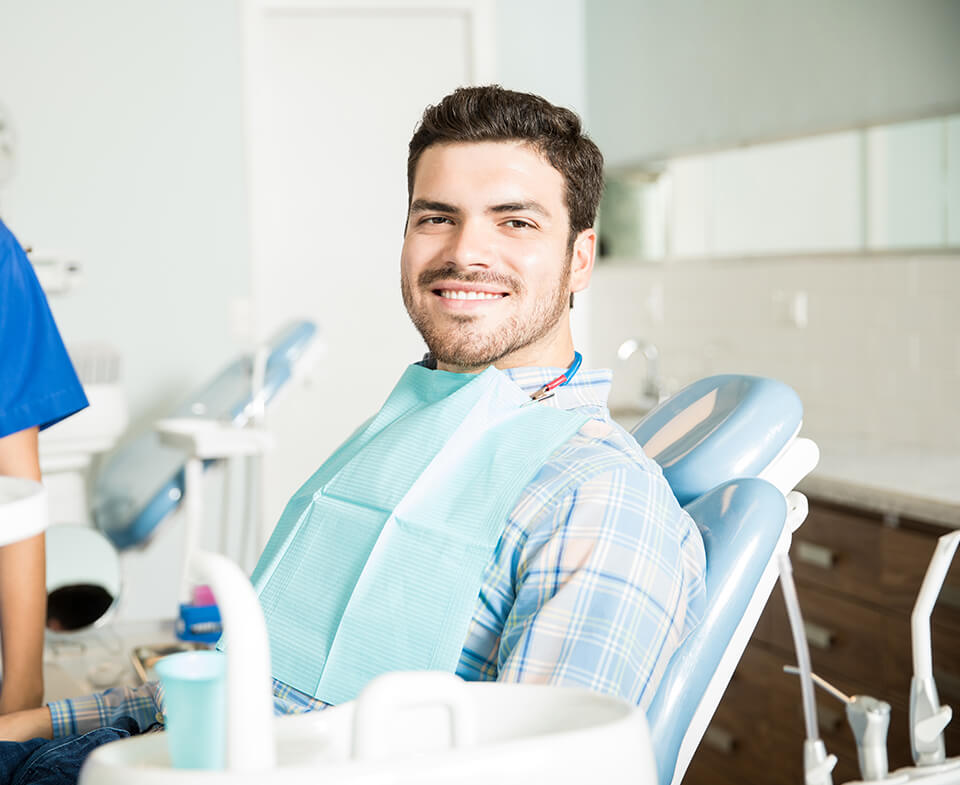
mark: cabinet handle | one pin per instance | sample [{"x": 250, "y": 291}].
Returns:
[
  {"x": 817, "y": 636},
  {"x": 815, "y": 555},
  {"x": 720, "y": 740}
]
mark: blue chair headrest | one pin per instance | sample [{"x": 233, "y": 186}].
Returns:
[{"x": 717, "y": 429}]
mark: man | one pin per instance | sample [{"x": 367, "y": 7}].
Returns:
[{"x": 580, "y": 568}]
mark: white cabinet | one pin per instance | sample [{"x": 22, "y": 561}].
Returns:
[
  {"x": 792, "y": 197},
  {"x": 905, "y": 193},
  {"x": 893, "y": 187},
  {"x": 953, "y": 181}
]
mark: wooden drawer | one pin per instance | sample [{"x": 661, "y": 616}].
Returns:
[
  {"x": 758, "y": 727},
  {"x": 741, "y": 739},
  {"x": 846, "y": 640},
  {"x": 857, "y": 581},
  {"x": 857, "y": 556}
]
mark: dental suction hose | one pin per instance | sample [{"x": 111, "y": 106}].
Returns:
[
  {"x": 927, "y": 717},
  {"x": 250, "y": 744},
  {"x": 817, "y": 764}
]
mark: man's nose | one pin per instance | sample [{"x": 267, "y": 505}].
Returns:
[{"x": 471, "y": 245}]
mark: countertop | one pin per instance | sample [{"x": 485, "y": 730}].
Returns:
[
  {"x": 910, "y": 481},
  {"x": 899, "y": 481}
]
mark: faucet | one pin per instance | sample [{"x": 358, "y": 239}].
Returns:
[{"x": 652, "y": 384}]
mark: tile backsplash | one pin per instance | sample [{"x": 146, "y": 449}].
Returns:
[{"x": 871, "y": 343}]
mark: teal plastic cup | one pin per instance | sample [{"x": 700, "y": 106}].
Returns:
[{"x": 194, "y": 684}]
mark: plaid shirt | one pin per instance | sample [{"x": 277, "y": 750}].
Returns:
[{"x": 597, "y": 578}]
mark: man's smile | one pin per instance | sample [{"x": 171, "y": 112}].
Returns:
[{"x": 460, "y": 295}]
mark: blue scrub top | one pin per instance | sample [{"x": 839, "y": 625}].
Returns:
[{"x": 38, "y": 385}]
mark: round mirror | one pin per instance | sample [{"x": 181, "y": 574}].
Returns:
[{"x": 83, "y": 577}]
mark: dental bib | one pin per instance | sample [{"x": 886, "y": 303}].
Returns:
[{"x": 377, "y": 561}]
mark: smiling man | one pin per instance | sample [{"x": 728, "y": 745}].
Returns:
[
  {"x": 491, "y": 519},
  {"x": 490, "y": 257}
]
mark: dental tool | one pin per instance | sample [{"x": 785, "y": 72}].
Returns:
[
  {"x": 817, "y": 764},
  {"x": 927, "y": 717},
  {"x": 869, "y": 720},
  {"x": 547, "y": 390}
]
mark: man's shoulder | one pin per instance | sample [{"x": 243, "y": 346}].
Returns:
[
  {"x": 603, "y": 445},
  {"x": 601, "y": 448}
]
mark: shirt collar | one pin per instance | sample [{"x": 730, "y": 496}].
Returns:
[{"x": 587, "y": 388}]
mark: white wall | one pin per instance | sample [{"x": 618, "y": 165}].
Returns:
[
  {"x": 684, "y": 75},
  {"x": 541, "y": 48},
  {"x": 878, "y": 360},
  {"x": 130, "y": 162},
  {"x": 129, "y": 120}
]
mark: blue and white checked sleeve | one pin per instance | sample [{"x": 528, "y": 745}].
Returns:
[
  {"x": 609, "y": 582},
  {"x": 103, "y": 709}
]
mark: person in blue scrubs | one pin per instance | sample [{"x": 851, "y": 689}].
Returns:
[{"x": 38, "y": 387}]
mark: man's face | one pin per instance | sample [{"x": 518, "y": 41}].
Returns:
[{"x": 486, "y": 264}]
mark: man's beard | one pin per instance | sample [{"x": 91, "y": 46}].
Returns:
[{"x": 462, "y": 342}]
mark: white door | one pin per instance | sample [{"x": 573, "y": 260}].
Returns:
[{"x": 333, "y": 93}]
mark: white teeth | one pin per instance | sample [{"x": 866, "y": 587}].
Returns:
[{"x": 460, "y": 294}]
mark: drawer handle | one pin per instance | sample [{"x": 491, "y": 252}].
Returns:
[
  {"x": 817, "y": 636},
  {"x": 815, "y": 555},
  {"x": 720, "y": 740}
]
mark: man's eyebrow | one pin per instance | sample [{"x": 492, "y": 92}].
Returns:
[
  {"x": 428, "y": 206},
  {"x": 520, "y": 207}
]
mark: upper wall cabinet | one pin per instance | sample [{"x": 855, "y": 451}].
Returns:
[
  {"x": 905, "y": 178},
  {"x": 894, "y": 187},
  {"x": 953, "y": 181},
  {"x": 801, "y": 196}
]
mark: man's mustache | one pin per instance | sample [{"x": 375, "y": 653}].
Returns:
[{"x": 509, "y": 283}]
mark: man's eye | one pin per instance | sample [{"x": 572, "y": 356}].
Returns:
[
  {"x": 518, "y": 223},
  {"x": 435, "y": 220}
]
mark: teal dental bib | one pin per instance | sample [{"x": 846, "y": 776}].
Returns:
[{"x": 377, "y": 561}]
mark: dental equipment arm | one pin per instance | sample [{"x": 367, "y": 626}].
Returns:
[
  {"x": 927, "y": 717},
  {"x": 869, "y": 720},
  {"x": 817, "y": 764},
  {"x": 204, "y": 440}
]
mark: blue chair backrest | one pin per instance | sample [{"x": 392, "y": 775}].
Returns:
[
  {"x": 140, "y": 484},
  {"x": 741, "y": 522},
  {"x": 712, "y": 439}
]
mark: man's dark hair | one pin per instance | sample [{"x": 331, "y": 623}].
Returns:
[{"x": 493, "y": 114}]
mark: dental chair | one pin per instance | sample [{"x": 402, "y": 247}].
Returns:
[
  {"x": 728, "y": 447},
  {"x": 139, "y": 485}
]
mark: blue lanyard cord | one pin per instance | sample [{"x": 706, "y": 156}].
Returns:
[{"x": 547, "y": 390}]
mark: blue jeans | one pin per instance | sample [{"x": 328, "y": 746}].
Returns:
[{"x": 57, "y": 762}]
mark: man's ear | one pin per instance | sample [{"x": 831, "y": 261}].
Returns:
[{"x": 582, "y": 259}]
